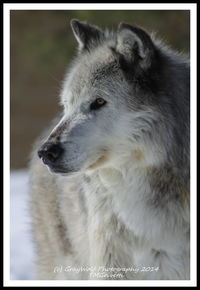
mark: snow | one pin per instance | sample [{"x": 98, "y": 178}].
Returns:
[{"x": 21, "y": 241}]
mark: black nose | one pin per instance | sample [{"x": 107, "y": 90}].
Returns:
[{"x": 50, "y": 152}]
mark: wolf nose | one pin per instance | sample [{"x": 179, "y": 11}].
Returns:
[{"x": 50, "y": 152}]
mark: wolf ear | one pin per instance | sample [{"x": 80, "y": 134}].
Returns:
[
  {"x": 85, "y": 34},
  {"x": 135, "y": 44}
]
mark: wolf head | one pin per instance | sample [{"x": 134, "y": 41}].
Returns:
[{"x": 116, "y": 100}]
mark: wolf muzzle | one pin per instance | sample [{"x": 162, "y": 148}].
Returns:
[{"x": 50, "y": 153}]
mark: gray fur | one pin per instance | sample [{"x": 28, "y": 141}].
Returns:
[{"x": 120, "y": 197}]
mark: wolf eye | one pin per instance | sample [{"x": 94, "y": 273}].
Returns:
[{"x": 97, "y": 104}]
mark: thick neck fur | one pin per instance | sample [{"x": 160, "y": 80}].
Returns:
[{"x": 147, "y": 199}]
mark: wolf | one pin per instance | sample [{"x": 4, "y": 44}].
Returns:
[{"x": 110, "y": 179}]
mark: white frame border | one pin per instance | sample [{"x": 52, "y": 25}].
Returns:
[{"x": 92, "y": 6}]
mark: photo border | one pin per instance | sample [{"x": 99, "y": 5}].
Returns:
[{"x": 6, "y": 116}]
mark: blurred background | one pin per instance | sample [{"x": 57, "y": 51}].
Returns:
[{"x": 42, "y": 46}]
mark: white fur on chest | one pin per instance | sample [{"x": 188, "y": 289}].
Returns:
[
  {"x": 154, "y": 242},
  {"x": 122, "y": 228},
  {"x": 131, "y": 194}
]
